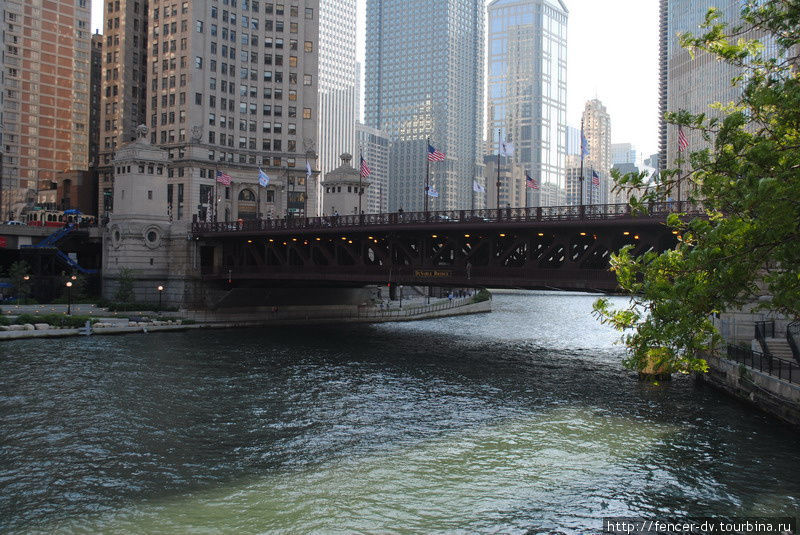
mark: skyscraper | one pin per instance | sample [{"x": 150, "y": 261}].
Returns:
[
  {"x": 527, "y": 101},
  {"x": 597, "y": 129},
  {"x": 46, "y": 105},
  {"x": 424, "y": 80},
  {"x": 337, "y": 82},
  {"x": 686, "y": 83},
  {"x": 123, "y": 104}
]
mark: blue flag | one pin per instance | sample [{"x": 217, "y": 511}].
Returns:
[
  {"x": 432, "y": 192},
  {"x": 584, "y": 146},
  {"x": 263, "y": 179}
]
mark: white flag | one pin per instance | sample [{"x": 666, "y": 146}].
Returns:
[
  {"x": 506, "y": 149},
  {"x": 477, "y": 188}
]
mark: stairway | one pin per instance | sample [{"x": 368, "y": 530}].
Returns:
[{"x": 779, "y": 348}]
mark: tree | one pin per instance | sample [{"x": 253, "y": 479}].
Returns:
[
  {"x": 17, "y": 273},
  {"x": 748, "y": 180}
]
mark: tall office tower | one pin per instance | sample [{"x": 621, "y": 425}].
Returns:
[
  {"x": 4, "y": 185},
  {"x": 374, "y": 145},
  {"x": 597, "y": 129},
  {"x": 424, "y": 80},
  {"x": 686, "y": 83},
  {"x": 527, "y": 101},
  {"x": 337, "y": 82},
  {"x": 47, "y": 77},
  {"x": 123, "y": 104}
]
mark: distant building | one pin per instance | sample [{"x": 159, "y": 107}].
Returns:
[
  {"x": 591, "y": 194},
  {"x": 374, "y": 146},
  {"x": 338, "y": 98},
  {"x": 597, "y": 129},
  {"x": 424, "y": 80},
  {"x": 512, "y": 183},
  {"x": 623, "y": 153},
  {"x": 528, "y": 38}
]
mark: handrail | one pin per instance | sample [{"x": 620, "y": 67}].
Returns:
[
  {"x": 764, "y": 330},
  {"x": 793, "y": 337},
  {"x": 782, "y": 369},
  {"x": 512, "y": 215}
]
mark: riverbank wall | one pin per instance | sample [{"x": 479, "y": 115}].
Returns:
[
  {"x": 271, "y": 317},
  {"x": 768, "y": 393}
]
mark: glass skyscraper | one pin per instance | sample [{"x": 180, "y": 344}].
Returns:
[
  {"x": 424, "y": 79},
  {"x": 527, "y": 102}
]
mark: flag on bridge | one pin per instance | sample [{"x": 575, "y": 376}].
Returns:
[
  {"x": 683, "y": 141},
  {"x": 478, "y": 188},
  {"x": 432, "y": 192},
  {"x": 434, "y": 155},
  {"x": 263, "y": 178},
  {"x": 365, "y": 171},
  {"x": 595, "y": 180},
  {"x": 530, "y": 182},
  {"x": 224, "y": 178}
]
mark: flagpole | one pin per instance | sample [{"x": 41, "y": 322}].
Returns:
[
  {"x": 526, "y": 192},
  {"x": 427, "y": 174},
  {"x": 360, "y": 187},
  {"x": 497, "y": 184},
  {"x": 216, "y": 200},
  {"x": 305, "y": 194},
  {"x": 582, "y": 156},
  {"x": 258, "y": 198}
]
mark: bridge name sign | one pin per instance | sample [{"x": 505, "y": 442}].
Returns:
[{"x": 432, "y": 273}]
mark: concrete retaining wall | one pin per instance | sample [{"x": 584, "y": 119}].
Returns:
[{"x": 766, "y": 392}]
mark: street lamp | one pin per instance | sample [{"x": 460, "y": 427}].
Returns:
[
  {"x": 25, "y": 278},
  {"x": 401, "y": 297},
  {"x": 160, "y": 291},
  {"x": 69, "y": 298}
]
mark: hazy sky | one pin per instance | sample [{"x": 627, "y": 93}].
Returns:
[{"x": 613, "y": 55}]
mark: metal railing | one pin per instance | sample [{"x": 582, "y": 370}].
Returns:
[
  {"x": 593, "y": 212},
  {"x": 764, "y": 330},
  {"x": 764, "y": 362},
  {"x": 793, "y": 337}
]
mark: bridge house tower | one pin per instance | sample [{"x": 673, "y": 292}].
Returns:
[{"x": 342, "y": 188}]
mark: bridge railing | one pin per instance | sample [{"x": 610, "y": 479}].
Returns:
[{"x": 533, "y": 214}]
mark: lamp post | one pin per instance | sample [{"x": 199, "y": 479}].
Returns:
[
  {"x": 401, "y": 297},
  {"x": 69, "y": 298},
  {"x": 25, "y": 278},
  {"x": 160, "y": 291}
]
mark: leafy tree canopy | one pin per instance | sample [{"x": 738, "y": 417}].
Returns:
[{"x": 748, "y": 181}]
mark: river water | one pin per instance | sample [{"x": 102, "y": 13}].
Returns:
[{"x": 518, "y": 421}]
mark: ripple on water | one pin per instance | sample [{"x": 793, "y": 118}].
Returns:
[{"x": 514, "y": 421}]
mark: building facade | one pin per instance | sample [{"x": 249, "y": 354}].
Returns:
[
  {"x": 424, "y": 81},
  {"x": 338, "y": 100},
  {"x": 47, "y": 49},
  {"x": 597, "y": 130},
  {"x": 527, "y": 90},
  {"x": 123, "y": 104},
  {"x": 228, "y": 89},
  {"x": 374, "y": 146},
  {"x": 687, "y": 83}
]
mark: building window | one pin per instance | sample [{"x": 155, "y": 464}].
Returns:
[
  {"x": 306, "y": 113},
  {"x": 198, "y": 63},
  {"x": 198, "y": 25}
]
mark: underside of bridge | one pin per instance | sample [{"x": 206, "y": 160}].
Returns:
[{"x": 571, "y": 255}]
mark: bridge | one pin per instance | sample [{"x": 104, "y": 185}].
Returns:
[{"x": 560, "y": 247}]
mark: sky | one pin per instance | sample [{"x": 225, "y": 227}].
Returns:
[{"x": 612, "y": 55}]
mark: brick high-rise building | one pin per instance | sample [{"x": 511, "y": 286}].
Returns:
[{"x": 46, "y": 106}]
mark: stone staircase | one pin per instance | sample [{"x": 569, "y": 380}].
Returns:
[{"x": 779, "y": 348}]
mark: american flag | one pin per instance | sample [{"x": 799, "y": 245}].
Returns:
[
  {"x": 434, "y": 155},
  {"x": 530, "y": 182},
  {"x": 224, "y": 178},
  {"x": 595, "y": 179},
  {"x": 683, "y": 142},
  {"x": 364, "y": 168}
]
